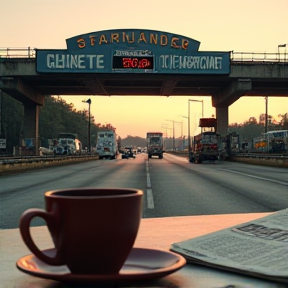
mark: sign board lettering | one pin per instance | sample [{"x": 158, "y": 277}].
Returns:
[{"x": 132, "y": 51}]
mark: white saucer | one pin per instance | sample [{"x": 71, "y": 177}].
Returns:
[{"x": 142, "y": 264}]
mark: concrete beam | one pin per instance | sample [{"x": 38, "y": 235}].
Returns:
[
  {"x": 228, "y": 95},
  {"x": 258, "y": 70},
  {"x": 18, "y": 89},
  {"x": 21, "y": 66}
]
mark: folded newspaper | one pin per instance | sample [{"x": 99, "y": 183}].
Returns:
[{"x": 258, "y": 248}]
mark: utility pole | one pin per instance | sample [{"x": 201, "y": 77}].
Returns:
[
  {"x": 173, "y": 133},
  {"x": 181, "y": 132},
  {"x": 89, "y": 123},
  {"x": 188, "y": 125},
  {"x": 266, "y": 114}
]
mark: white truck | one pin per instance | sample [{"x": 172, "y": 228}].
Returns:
[
  {"x": 65, "y": 144},
  {"x": 155, "y": 144},
  {"x": 70, "y": 144},
  {"x": 106, "y": 145}
]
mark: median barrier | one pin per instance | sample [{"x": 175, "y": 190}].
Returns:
[
  {"x": 14, "y": 165},
  {"x": 24, "y": 164},
  {"x": 256, "y": 159},
  {"x": 263, "y": 160}
]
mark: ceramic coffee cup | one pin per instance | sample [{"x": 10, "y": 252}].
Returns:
[{"x": 93, "y": 229}]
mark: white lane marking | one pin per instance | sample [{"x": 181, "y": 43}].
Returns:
[
  {"x": 148, "y": 176},
  {"x": 150, "y": 200},
  {"x": 148, "y": 180},
  {"x": 256, "y": 177}
]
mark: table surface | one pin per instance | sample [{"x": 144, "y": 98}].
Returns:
[{"x": 156, "y": 233}]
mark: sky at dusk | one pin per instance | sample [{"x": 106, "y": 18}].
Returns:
[{"x": 220, "y": 25}]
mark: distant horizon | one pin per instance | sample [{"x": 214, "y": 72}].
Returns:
[
  {"x": 245, "y": 26},
  {"x": 274, "y": 109}
]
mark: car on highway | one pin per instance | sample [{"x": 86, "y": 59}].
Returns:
[{"x": 128, "y": 153}]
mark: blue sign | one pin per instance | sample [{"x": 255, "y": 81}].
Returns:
[
  {"x": 29, "y": 142},
  {"x": 132, "y": 51}
]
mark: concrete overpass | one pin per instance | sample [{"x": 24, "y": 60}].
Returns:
[{"x": 250, "y": 75}]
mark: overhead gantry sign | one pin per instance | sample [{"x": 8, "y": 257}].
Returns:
[{"x": 132, "y": 51}]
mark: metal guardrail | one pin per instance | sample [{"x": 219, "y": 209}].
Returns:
[
  {"x": 44, "y": 158},
  {"x": 244, "y": 155},
  {"x": 16, "y": 164},
  {"x": 234, "y": 56},
  {"x": 262, "y": 159},
  {"x": 262, "y": 156}
]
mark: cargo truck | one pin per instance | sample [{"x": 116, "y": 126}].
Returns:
[
  {"x": 106, "y": 145},
  {"x": 155, "y": 144},
  {"x": 208, "y": 144}
]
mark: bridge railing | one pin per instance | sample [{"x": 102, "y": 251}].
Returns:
[
  {"x": 17, "y": 52},
  {"x": 258, "y": 57},
  {"x": 234, "y": 56}
]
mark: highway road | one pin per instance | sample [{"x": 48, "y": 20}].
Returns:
[{"x": 172, "y": 186}]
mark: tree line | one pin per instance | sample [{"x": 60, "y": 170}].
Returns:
[
  {"x": 253, "y": 128},
  {"x": 58, "y": 116}
]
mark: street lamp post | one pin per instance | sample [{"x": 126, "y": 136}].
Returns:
[
  {"x": 284, "y": 46},
  {"x": 182, "y": 138},
  {"x": 188, "y": 120},
  {"x": 266, "y": 114},
  {"x": 189, "y": 137},
  {"x": 173, "y": 133},
  {"x": 165, "y": 127},
  {"x": 89, "y": 123},
  {"x": 181, "y": 131}
]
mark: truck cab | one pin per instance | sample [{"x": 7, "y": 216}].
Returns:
[{"x": 208, "y": 144}]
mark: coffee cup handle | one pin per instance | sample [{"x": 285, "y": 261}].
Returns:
[{"x": 24, "y": 226}]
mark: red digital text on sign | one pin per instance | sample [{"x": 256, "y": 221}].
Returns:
[{"x": 137, "y": 63}]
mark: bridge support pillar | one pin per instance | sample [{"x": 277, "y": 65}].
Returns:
[
  {"x": 226, "y": 97},
  {"x": 31, "y": 124},
  {"x": 222, "y": 120},
  {"x": 32, "y": 100}
]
